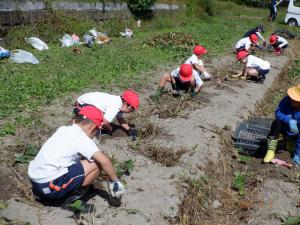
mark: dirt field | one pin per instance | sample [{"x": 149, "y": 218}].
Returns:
[{"x": 180, "y": 140}]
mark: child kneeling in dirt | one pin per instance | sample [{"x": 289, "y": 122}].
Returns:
[
  {"x": 257, "y": 31},
  {"x": 112, "y": 106},
  {"x": 197, "y": 63},
  {"x": 70, "y": 160},
  {"x": 254, "y": 67},
  {"x": 247, "y": 43},
  {"x": 183, "y": 78},
  {"x": 278, "y": 43},
  {"x": 287, "y": 122}
]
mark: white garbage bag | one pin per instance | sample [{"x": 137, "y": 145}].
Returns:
[
  {"x": 94, "y": 33},
  {"x": 128, "y": 33},
  {"x": 66, "y": 41},
  {"x": 37, "y": 43},
  {"x": 21, "y": 56}
]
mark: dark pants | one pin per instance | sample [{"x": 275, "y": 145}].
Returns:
[
  {"x": 181, "y": 86},
  {"x": 277, "y": 128},
  {"x": 273, "y": 13}
]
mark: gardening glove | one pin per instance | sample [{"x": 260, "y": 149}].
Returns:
[
  {"x": 116, "y": 188},
  {"x": 264, "y": 44},
  {"x": 193, "y": 93},
  {"x": 296, "y": 159},
  {"x": 293, "y": 126},
  {"x": 132, "y": 132},
  {"x": 206, "y": 75}
]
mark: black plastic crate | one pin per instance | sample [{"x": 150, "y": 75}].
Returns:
[{"x": 250, "y": 137}]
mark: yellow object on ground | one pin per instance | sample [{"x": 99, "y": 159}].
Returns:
[{"x": 272, "y": 145}]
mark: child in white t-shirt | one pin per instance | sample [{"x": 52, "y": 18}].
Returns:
[
  {"x": 278, "y": 43},
  {"x": 113, "y": 106},
  {"x": 184, "y": 78},
  {"x": 247, "y": 43},
  {"x": 254, "y": 67},
  {"x": 197, "y": 63},
  {"x": 69, "y": 159}
]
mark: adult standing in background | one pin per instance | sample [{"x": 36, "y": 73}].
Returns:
[{"x": 273, "y": 9}]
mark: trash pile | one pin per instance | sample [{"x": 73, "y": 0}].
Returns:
[{"x": 90, "y": 38}]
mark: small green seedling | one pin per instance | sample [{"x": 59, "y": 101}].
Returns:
[
  {"x": 124, "y": 168},
  {"x": 239, "y": 182},
  {"x": 292, "y": 220},
  {"x": 244, "y": 159},
  {"x": 77, "y": 206},
  {"x": 28, "y": 155}
]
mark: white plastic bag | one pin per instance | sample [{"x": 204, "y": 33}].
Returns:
[
  {"x": 128, "y": 33},
  {"x": 66, "y": 41},
  {"x": 21, "y": 56},
  {"x": 37, "y": 43},
  {"x": 94, "y": 33}
]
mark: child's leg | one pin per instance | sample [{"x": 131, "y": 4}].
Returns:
[
  {"x": 164, "y": 79},
  {"x": 162, "y": 83},
  {"x": 91, "y": 171},
  {"x": 253, "y": 73}
]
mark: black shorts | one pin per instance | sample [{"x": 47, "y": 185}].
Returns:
[
  {"x": 180, "y": 85},
  {"x": 61, "y": 186},
  {"x": 263, "y": 72}
]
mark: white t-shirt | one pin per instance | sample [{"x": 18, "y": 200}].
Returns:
[
  {"x": 282, "y": 41},
  {"x": 109, "y": 104},
  {"x": 199, "y": 82},
  {"x": 194, "y": 60},
  {"x": 63, "y": 149},
  {"x": 257, "y": 63},
  {"x": 244, "y": 42}
]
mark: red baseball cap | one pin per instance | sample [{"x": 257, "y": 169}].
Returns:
[
  {"x": 199, "y": 50},
  {"x": 253, "y": 38},
  {"x": 92, "y": 113},
  {"x": 186, "y": 72},
  {"x": 242, "y": 54},
  {"x": 273, "y": 39},
  {"x": 132, "y": 98}
]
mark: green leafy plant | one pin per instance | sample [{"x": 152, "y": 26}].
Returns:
[
  {"x": 239, "y": 182},
  {"x": 28, "y": 155},
  {"x": 245, "y": 159},
  {"x": 77, "y": 206},
  {"x": 124, "y": 168},
  {"x": 292, "y": 220},
  {"x": 8, "y": 129}
]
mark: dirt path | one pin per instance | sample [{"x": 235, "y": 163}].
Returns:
[{"x": 154, "y": 190}]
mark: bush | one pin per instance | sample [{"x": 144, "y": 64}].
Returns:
[
  {"x": 139, "y": 5},
  {"x": 199, "y": 8},
  {"x": 141, "y": 8}
]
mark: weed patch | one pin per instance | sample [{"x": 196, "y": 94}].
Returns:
[
  {"x": 166, "y": 156},
  {"x": 168, "y": 106},
  {"x": 177, "y": 42}
]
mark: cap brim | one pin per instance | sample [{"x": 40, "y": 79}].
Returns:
[
  {"x": 293, "y": 94},
  {"x": 185, "y": 78},
  {"x": 272, "y": 42}
]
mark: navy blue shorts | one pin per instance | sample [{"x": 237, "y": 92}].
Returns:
[
  {"x": 182, "y": 86},
  {"x": 263, "y": 72},
  {"x": 61, "y": 186}
]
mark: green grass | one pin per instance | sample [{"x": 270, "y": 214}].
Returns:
[{"x": 28, "y": 88}]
